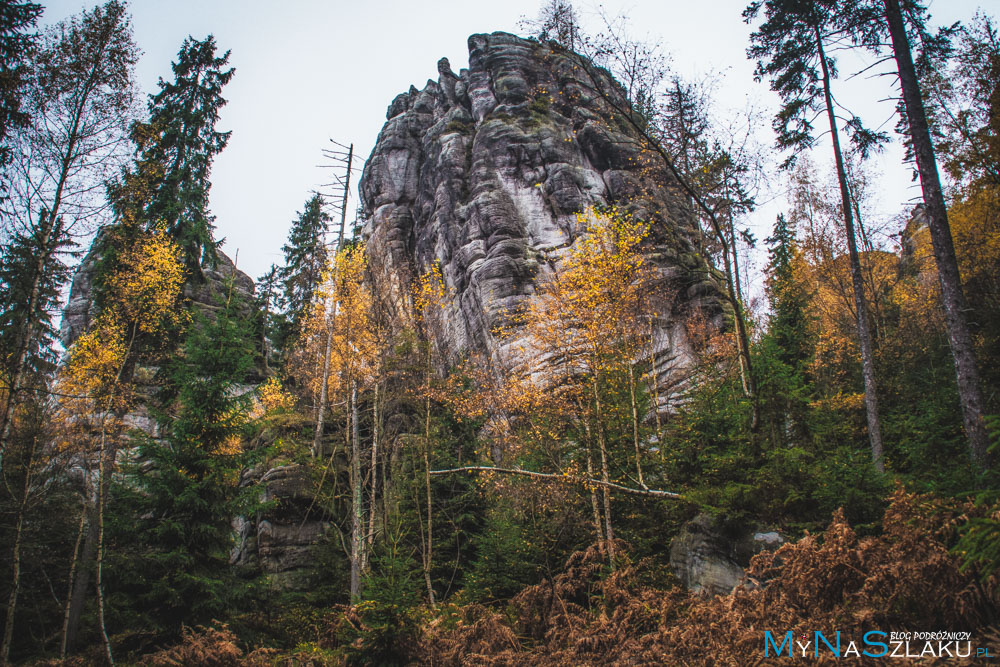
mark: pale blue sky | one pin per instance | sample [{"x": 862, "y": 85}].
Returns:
[{"x": 309, "y": 70}]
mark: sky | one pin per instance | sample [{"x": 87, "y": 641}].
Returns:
[{"x": 308, "y": 71}]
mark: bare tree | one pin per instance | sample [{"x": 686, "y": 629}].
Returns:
[{"x": 80, "y": 98}]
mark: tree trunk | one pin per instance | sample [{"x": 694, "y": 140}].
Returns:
[
  {"x": 742, "y": 339},
  {"x": 102, "y": 488},
  {"x": 50, "y": 228},
  {"x": 70, "y": 581},
  {"x": 595, "y": 507},
  {"x": 864, "y": 330},
  {"x": 605, "y": 476},
  {"x": 952, "y": 297},
  {"x": 323, "y": 391},
  {"x": 331, "y": 318},
  {"x": 357, "y": 509},
  {"x": 635, "y": 423},
  {"x": 374, "y": 473},
  {"x": 15, "y": 584},
  {"x": 427, "y": 481},
  {"x": 82, "y": 583},
  {"x": 654, "y": 377}
]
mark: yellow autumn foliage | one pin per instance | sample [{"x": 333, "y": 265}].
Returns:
[
  {"x": 593, "y": 308},
  {"x": 141, "y": 298},
  {"x": 144, "y": 292},
  {"x": 341, "y": 312}
]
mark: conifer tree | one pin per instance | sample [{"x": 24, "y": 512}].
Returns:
[
  {"x": 180, "y": 136},
  {"x": 787, "y": 323},
  {"x": 870, "y": 23},
  {"x": 16, "y": 18},
  {"x": 265, "y": 298},
  {"x": 786, "y": 344},
  {"x": 179, "y": 501},
  {"x": 306, "y": 258},
  {"x": 791, "y": 48}
]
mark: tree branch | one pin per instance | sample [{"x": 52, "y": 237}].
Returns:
[{"x": 565, "y": 478}]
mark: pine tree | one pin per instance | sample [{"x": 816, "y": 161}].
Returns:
[
  {"x": 869, "y": 24},
  {"x": 791, "y": 48},
  {"x": 305, "y": 259},
  {"x": 181, "y": 137}
]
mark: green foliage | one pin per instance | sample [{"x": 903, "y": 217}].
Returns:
[
  {"x": 388, "y": 610},
  {"x": 540, "y": 105},
  {"x": 979, "y": 537},
  {"x": 306, "y": 259},
  {"x": 265, "y": 319},
  {"x": 172, "y": 532},
  {"x": 32, "y": 274},
  {"x": 180, "y": 138},
  {"x": 16, "y": 20},
  {"x": 787, "y": 47},
  {"x": 46, "y": 513},
  {"x": 458, "y": 126},
  {"x": 506, "y": 561}
]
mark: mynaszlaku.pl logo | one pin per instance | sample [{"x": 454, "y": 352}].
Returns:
[{"x": 875, "y": 644}]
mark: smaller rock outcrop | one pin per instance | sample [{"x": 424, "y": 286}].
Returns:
[
  {"x": 279, "y": 542},
  {"x": 705, "y": 558},
  {"x": 81, "y": 309}
]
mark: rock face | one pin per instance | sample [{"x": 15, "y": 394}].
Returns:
[
  {"x": 281, "y": 540},
  {"x": 80, "y": 309},
  {"x": 484, "y": 172},
  {"x": 706, "y": 559}
]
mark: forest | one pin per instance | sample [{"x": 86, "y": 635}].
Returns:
[{"x": 508, "y": 412}]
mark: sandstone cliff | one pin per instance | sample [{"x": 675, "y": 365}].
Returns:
[{"x": 485, "y": 171}]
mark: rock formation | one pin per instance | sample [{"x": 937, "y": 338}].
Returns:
[
  {"x": 80, "y": 308},
  {"x": 280, "y": 541},
  {"x": 485, "y": 171},
  {"x": 706, "y": 558}
]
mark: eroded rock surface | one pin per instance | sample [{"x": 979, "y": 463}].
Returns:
[
  {"x": 485, "y": 172},
  {"x": 706, "y": 558},
  {"x": 280, "y": 541},
  {"x": 80, "y": 308}
]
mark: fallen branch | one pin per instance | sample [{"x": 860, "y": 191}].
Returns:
[{"x": 564, "y": 478}]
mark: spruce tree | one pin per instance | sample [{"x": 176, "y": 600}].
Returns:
[
  {"x": 16, "y": 18},
  {"x": 305, "y": 259},
  {"x": 176, "y": 536},
  {"x": 180, "y": 135},
  {"x": 788, "y": 323},
  {"x": 30, "y": 284},
  {"x": 786, "y": 348}
]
